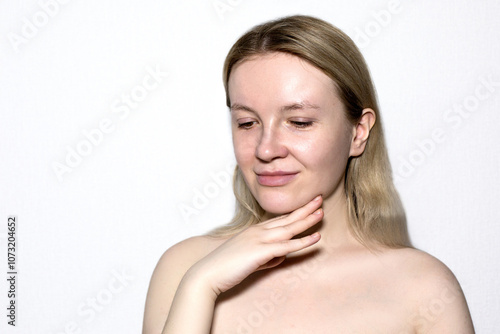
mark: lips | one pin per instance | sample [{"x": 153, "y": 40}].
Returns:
[{"x": 275, "y": 179}]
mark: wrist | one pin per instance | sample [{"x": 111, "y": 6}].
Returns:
[
  {"x": 198, "y": 284},
  {"x": 192, "y": 298}
]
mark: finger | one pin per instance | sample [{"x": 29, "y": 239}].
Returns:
[
  {"x": 298, "y": 214},
  {"x": 273, "y": 263},
  {"x": 288, "y": 231},
  {"x": 289, "y": 246}
]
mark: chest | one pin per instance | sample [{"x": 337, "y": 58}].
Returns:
[{"x": 292, "y": 301}]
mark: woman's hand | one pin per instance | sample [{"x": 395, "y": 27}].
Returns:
[{"x": 261, "y": 246}]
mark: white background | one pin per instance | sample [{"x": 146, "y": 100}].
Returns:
[{"x": 121, "y": 206}]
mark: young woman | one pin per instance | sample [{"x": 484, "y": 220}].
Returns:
[{"x": 318, "y": 243}]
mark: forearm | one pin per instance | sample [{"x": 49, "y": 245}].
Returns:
[{"x": 192, "y": 309}]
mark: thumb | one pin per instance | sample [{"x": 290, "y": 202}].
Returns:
[{"x": 272, "y": 263}]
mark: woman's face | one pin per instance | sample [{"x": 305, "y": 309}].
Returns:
[{"x": 291, "y": 138}]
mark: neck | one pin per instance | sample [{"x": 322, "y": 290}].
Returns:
[{"x": 334, "y": 228}]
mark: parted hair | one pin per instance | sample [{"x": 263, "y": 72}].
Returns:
[{"x": 376, "y": 214}]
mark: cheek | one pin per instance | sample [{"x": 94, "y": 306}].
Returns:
[
  {"x": 244, "y": 150},
  {"x": 328, "y": 157}
]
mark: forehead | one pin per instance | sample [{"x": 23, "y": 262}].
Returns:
[{"x": 279, "y": 78}]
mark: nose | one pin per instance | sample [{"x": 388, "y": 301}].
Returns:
[{"x": 271, "y": 145}]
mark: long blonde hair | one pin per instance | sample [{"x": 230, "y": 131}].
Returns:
[{"x": 375, "y": 210}]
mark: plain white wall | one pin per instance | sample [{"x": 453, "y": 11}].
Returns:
[{"x": 90, "y": 235}]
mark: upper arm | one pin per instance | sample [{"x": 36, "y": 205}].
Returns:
[
  {"x": 441, "y": 306},
  {"x": 166, "y": 277}
]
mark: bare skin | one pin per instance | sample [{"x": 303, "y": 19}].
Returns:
[
  {"x": 326, "y": 289},
  {"x": 301, "y": 270}
]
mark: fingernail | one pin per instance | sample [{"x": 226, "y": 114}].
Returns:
[
  {"x": 317, "y": 198},
  {"x": 315, "y": 235},
  {"x": 318, "y": 212}
]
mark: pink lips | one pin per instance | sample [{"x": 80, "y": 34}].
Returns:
[{"x": 275, "y": 179}]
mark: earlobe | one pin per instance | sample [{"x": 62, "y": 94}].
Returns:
[{"x": 361, "y": 132}]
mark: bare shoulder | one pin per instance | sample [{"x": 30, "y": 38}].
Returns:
[
  {"x": 184, "y": 254},
  {"x": 169, "y": 271},
  {"x": 438, "y": 303},
  {"x": 421, "y": 266}
]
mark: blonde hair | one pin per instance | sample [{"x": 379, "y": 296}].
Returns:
[{"x": 375, "y": 210}]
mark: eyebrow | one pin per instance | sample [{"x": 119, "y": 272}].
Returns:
[
  {"x": 237, "y": 106},
  {"x": 299, "y": 105},
  {"x": 294, "y": 106}
]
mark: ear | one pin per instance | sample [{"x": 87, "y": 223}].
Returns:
[{"x": 361, "y": 132}]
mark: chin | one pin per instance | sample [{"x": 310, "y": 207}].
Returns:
[{"x": 278, "y": 204}]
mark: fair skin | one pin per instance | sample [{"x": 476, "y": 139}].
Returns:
[{"x": 301, "y": 270}]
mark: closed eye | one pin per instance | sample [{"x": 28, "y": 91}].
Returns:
[
  {"x": 246, "y": 125},
  {"x": 301, "y": 125}
]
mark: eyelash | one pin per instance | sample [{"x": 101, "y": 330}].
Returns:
[
  {"x": 297, "y": 124},
  {"x": 301, "y": 125},
  {"x": 245, "y": 125}
]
